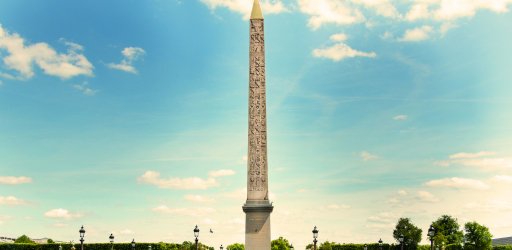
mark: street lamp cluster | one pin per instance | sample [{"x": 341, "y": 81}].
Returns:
[
  {"x": 111, "y": 239},
  {"x": 401, "y": 239},
  {"x": 431, "y": 234}
]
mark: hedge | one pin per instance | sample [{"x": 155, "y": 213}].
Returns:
[
  {"x": 104, "y": 246},
  {"x": 191, "y": 246}
]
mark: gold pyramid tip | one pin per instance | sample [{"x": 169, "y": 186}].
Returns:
[{"x": 256, "y": 10}]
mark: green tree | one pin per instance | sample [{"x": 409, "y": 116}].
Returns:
[
  {"x": 447, "y": 231},
  {"x": 280, "y": 244},
  {"x": 326, "y": 245},
  {"x": 477, "y": 236},
  {"x": 411, "y": 233},
  {"x": 50, "y": 241},
  {"x": 24, "y": 239},
  {"x": 236, "y": 246},
  {"x": 187, "y": 245}
]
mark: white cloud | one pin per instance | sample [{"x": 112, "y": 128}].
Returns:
[
  {"x": 126, "y": 232},
  {"x": 330, "y": 12},
  {"x": 21, "y": 58},
  {"x": 464, "y": 155},
  {"x": 445, "y": 27},
  {"x": 458, "y": 183},
  {"x": 366, "y": 156},
  {"x": 382, "y": 7},
  {"x": 455, "y": 9},
  {"x": 340, "y": 37},
  {"x": 222, "y": 172},
  {"x": 417, "y": 34},
  {"x": 337, "y": 207},
  {"x": 425, "y": 196},
  {"x": 85, "y": 89},
  {"x": 503, "y": 178},
  {"x": 418, "y": 11},
  {"x": 153, "y": 178},
  {"x": 244, "y": 7},
  {"x": 198, "y": 198},
  {"x": 340, "y": 51},
  {"x": 131, "y": 55},
  {"x": 4, "y": 218},
  {"x": 195, "y": 212},
  {"x": 450, "y": 10},
  {"x": 481, "y": 160},
  {"x": 403, "y": 198},
  {"x": 381, "y": 220},
  {"x": 60, "y": 225},
  {"x": 387, "y": 35},
  {"x": 238, "y": 194},
  {"x": 400, "y": 118},
  {"x": 11, "y": 201},
  {"x": 491, "y": 206},
  {"x": 60, "y": 213},
  {"x": 13, "y": 180}
]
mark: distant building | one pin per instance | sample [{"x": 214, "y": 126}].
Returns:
[
  {"x": 502, "y": 241},
  {"x": 6, "y": 239},
  {"x": 41, "y": 241}
]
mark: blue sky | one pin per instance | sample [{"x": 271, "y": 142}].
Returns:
[{"x": 130, "y": 117}]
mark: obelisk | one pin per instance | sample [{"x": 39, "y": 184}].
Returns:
[{"x": 257, "y": 208}]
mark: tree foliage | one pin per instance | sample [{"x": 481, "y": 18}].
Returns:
[
  {"x": 411, "y": 233},
  {"x": 50, "y": 241},
  {"x": 280, "y": 244},
  {"x": 447, "y": 231},
  {"x": 477, "y": 236},
  {"x": 236, "y": 246},
  {"x": 24, "y": 239}
]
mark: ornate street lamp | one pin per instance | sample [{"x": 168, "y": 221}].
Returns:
[
  {"x": 401, "y": 239},
  {"x": 82, "y": 234},
  {"x": 365, "y": 247},
  {"x": 111, "y": 238},
  {"x": 291, "y": 247},
  {"x": 431, "y": 233},
  {"x": 196, "y": 234},
  {"x": 380, "y": 243},
  {"x": 221, "y": 247},
  {"x": 315, "y": 236},
  {"x": 133, "y": 244}
]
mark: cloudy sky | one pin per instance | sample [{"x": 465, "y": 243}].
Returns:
[{"x": 130, "y": 117}]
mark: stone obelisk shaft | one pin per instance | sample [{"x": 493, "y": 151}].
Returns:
[{"x": 257, "y": 207}]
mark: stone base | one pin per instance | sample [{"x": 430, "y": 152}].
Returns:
[{"x": 257, "y": 224}]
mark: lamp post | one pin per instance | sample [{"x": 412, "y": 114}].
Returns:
[
  {"x": 365, "y": 247},
  {"x": 380, "y": 244},
  {"x": 82, "y": 234},
  {"x": 111, "y": 238},
  {"x": 133, "y": 244},
  {"x": 291, "y": 247},
  {"x": 315, "y": 236},
  {"x": 401, "y": 239},
  {"x": 221, "y": 247},
  {"x": 196, "y": 234},
  {"x": 431, "y": 233}
]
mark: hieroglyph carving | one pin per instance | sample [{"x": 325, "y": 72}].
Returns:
[{"x": 257, "y": 160}]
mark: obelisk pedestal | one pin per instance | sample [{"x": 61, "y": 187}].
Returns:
[{"x": 257, "y": 208}]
